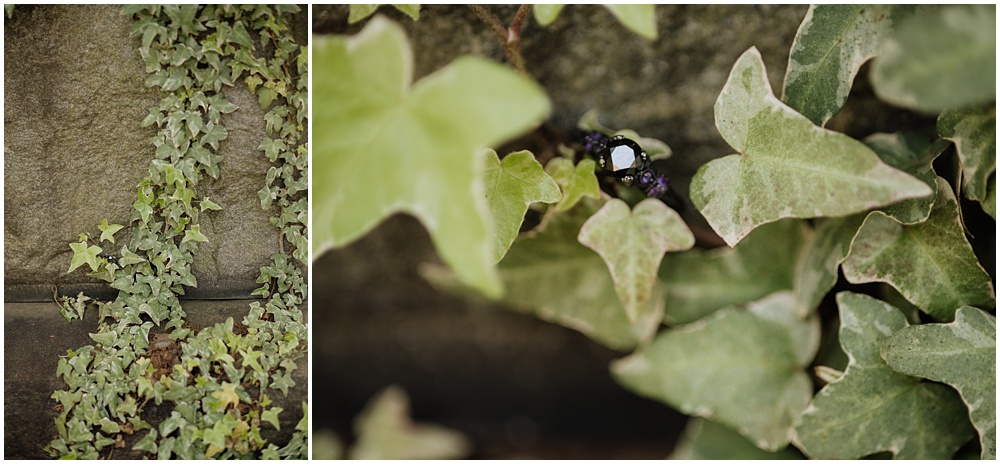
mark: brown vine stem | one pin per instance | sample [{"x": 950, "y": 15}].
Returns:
[{"x": 510, "y": 38}]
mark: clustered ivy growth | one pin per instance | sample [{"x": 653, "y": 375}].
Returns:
[
  {"x": 914, "y": 375},
  {"x": 213, "y": 382}
]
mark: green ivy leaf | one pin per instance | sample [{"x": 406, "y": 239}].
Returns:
[
  {"x": 194, "y": 234},
  {"x": 704, "y": 439},
  {"x": 575, "y": 183},
  {"x": 787, "y": 167},
  {"x": 871, "y": 408},
  {"x": 816, "y": 271},
  {"x": 423, "y": 139},
  {"x": 700, "y": 282},
  {"x": 640, "y": 19},
  {"x": 990, "y": 203},
  {"x": 362, "y": 11},
  {"x": 545, "y": 14},
  {"x": 512, "y": 185},
  {"x": 931, "y": 263},
  {"x": 411, "y": 10},
  {"x": 974, "y": 131},
  {"x": 914, "y": 155},
  {"x": 550, "y": 275},
  {"x": 384, "y": 431},
  {"x": 940, "y": 58},
  {"x": 82, "y": 254},
  {"x": 962, "y": 354},
  {"x": 632, "y": 243},
  {"x": 743, "y": 368},
  {"x": 271, "y": 416},
  {"x": 108, "y": 230},
  {"x": 208, "y": 204},
  {"x": 830, "y": 46}
]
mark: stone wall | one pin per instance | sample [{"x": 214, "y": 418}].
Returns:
[{"x": 74, "y": 152}]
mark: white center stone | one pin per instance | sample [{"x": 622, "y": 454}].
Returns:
[{"x": 622, "y": 157}]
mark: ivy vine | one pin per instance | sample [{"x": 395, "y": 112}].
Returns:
[{"x": 215, "y": 381}]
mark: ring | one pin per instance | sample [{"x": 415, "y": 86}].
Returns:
[{"x": 625, "y": 160}]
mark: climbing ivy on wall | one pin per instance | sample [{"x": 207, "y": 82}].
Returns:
[{"x": 216, "y": 383}]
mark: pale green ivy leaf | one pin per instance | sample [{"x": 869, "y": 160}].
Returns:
[
  {"x": 632, "y": 243},
  {"x": 974, "y": 132},
  {"x": 640, "y": 19},
  {"x": 411, "y": 10},
  {"x": 511, "y": 185},
  {"x": 423, "y": 139},
  {"x": 547, "y": 13},
  {"x": 787, "y": 167},
  {"x": 872, "y": 408},
  {"x": 205, "y": 203},
  {"x": 108, "y": 231},
  {"x": 704, "y": 439},
  {"x": 271, "y": 416},
  {"x": 362, "y": 11},
  {"x": 700, "y": 282},
  {"x": 193, "y": 233},
  {"x": 741, "y": 367},
  {"x": 962, "y": 354},
  {"x": 385, "y": 431},
  {"x": 990, "y": 203},
  {"x": 830, "y": 46},
  {"x": 549, "y": 274},
  {"x": 816, "y": 271},
  {"x": 931, "y": 263},
  {"x": 82, "y": 254},
  {"x": 914, "y": 155},
  {"x": 940, "y": 58},
  {"x": 576, "y": 182}
]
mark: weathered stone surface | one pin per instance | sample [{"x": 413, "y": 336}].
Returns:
[
  {"x": 35, "y": 336},
  {"x": 74, "y": 153}
]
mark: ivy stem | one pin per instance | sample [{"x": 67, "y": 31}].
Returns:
[{"x": 509, "y": 38}]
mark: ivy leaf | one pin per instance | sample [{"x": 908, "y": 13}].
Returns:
[
  {"x": 962, "y": 354},
  {"x": 940, "y": 58},
  {"x": 704, "y": 439},
  {"x": 550, "y": 275},
  {"x": 384, "y": 431},
  {"x": 194, "y": 234},
  {"x": 214, "y": 135},
  {"x": 632, "y": 244},
  {"x": 914, "y": 155},
  {"x": 743, "y": 368},
  {"x": 990, "y": 203},
  {"x": 108, "y": 230},
  {"x": 974, "y": 131},
  {"x": 545, "y": 14},
  {"x": 700, "y": 282},
  {"x": 422, "y": 139},
  {"x": 82, "y": 254},
  {"x": 787, "y": 167},
  {"x": 411, "y": 10},
  {"x": 271, "y": 416},
  {"x": 931, "y": 263},
  {"x": 362, "y": 11},
  {"x": 871, "y": 408},
  {"x": 576, "y": 183},
  {"x": 512, "y": 185},
  {"x": 205, "y": 203},
  {"x": 640, "y": 19},
  {"x": 816, "y": 271},
  {"x": 830, "y": 46}
]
